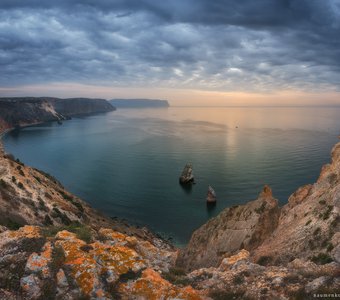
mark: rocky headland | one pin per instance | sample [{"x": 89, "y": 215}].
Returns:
[
  {"x": 55, "y": 246},
  {"x": 23, "y": 111}
]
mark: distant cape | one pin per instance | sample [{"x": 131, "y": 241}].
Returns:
[{"x": 131, "y": 103}]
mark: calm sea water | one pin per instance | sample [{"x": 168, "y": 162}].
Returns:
[{"x": 127, "y": 163}]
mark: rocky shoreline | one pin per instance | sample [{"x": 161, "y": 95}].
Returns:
[{"x": 53, "y": 245}]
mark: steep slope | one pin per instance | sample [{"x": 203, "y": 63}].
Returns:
[
  {"x": 30, "y": 196},
  {"x": 309, "y": 225},
  {"x": 244, "y": 226}
]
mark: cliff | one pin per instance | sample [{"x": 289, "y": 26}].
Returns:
[
  {"x": 235, "y": 228},
  {"x": 139, "y": 103},
  {"x": 30, "y": 110}
]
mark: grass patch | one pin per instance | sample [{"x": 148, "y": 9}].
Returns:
[
  {"x": 82, "y": 232},
  {"x": 3, "y": 184},
  {"x": 317, "y": 231},
  {"x": 176, "y": 276},
  {"x": 261, "y": 209},
  {"x": 20, "y": 185},
  {"x": 12, "y": 225},
  {"x": 330, "y": 247},
  {"x": 327, "y": 213},
  {"x": 238, "y": 279},
  {"x": 321, "y": 259},
  {"x": 37, "y": 178},
  {"x": 56, "y": 213},
  {"x": 264, "y": 260}
]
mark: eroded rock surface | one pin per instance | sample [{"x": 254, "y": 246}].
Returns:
[
  {"x": 245, "y": 226},
  {"x": 110, "y": 265}
]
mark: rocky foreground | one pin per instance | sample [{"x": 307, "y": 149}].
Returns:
[{"x": 55, "y": 246}]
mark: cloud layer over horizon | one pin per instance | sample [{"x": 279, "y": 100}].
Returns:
[{"x": 230, "y": 46}]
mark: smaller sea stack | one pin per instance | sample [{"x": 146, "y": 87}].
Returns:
[
  {"x": 211, "y": 195},
  {"x": 187, "y": 176}
]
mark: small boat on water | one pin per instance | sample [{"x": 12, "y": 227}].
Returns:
[
  {"x": 187, "y": 175},
  {"x": 211, "y": 195}
]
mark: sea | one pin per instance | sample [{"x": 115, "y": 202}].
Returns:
[{"x": 127, "y": 163}]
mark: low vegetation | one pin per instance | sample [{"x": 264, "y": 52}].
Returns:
[{"x": 83, "y": 232}]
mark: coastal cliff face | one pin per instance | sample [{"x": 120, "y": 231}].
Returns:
[
  {"x": 29, "y": 110},
  {"x": 237, "y": 227}
]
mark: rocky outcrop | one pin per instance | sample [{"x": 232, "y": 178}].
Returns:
[
  {"x": 309, "y": 224},
  {"x": 187, "y": 176},
  {"x": 244, "y": 226},
  {"x": 25, "y": 111},
  {"x": 211, "y": 195},
  {"x": 237, "y": 277},
  {"x": 71, "y": 265}
]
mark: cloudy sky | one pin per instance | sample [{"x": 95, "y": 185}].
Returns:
[{"x": 221, "y": 52}]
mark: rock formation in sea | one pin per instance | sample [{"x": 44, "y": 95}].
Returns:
[
  {"x": 187, "y": 176},
  {"x": 211, "y": 195},
  {"x": 55, "y": 246}
]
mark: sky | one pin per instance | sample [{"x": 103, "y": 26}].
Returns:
[{"x": 191, "y": 52}]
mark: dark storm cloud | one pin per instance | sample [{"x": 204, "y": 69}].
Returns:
[{"x": 215, "y": 45}]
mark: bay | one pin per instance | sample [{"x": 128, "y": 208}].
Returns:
[{"x": 126, "y": 163}]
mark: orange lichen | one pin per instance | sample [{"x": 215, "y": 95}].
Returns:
[
  {"x": 117, "y": 238},
  {"x": 26, "y": 232},
  {"x": 40, "y": 262},
  {"x": 65, "y": 235},
  {"x": 229, "y": 261},
  {"x": 152, "y": 286},
  {"x": 89, "y": 266}
]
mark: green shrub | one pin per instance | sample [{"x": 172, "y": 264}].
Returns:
[
  {"x": 264, "y": 260},
  {"x": 322, "y": 202},
  {"x": 321, "y": 259},
  {"x": 20, "y": 186},
  {"x": 327, "y": 213},
  {"x": 308, "y": 222},
  {"x": 330, "y": 247},
  {"x": 176, "y": 276},
  {"x": 83, "y": 232},
  {"x": 37, "y": 178},
  {"x": 47, "y": 220},
  {"x": 238, "y": 279},
  {"x": 3, "y": 184},
  {"x": 12, "y": 225},
  {"x": 261, "y": 209},
  {"x": 317, "y": 231}
]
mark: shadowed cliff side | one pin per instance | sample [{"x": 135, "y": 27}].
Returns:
[{"x": 17, "y": 112}]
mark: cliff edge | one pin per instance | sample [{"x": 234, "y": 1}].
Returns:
[{"x": 17, "y": 112}]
